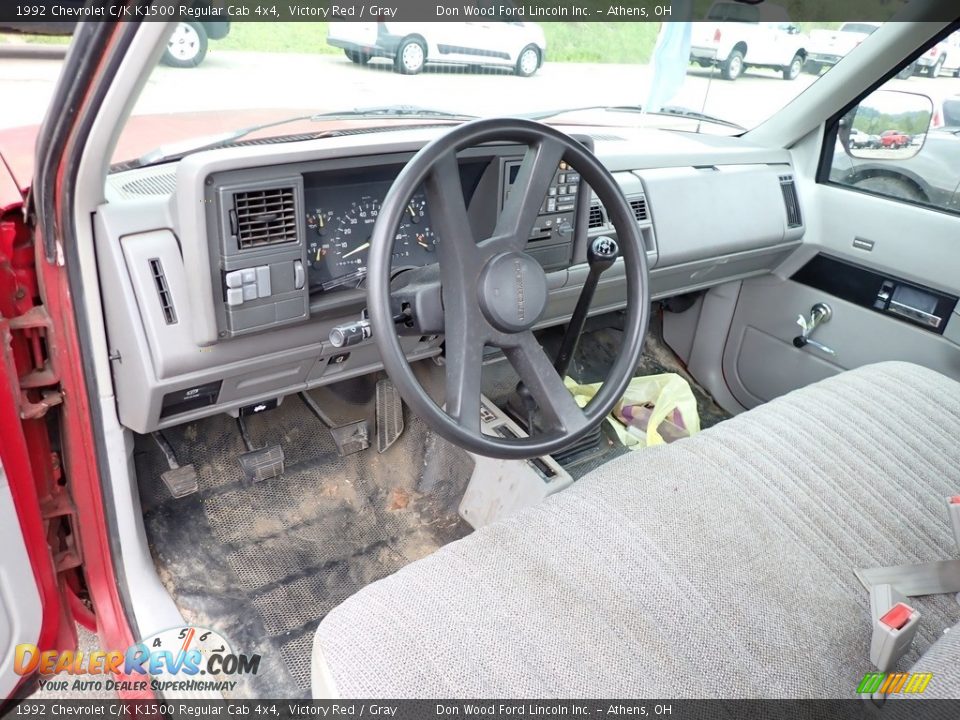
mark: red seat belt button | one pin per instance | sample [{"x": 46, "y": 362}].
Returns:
[{"x": 897, "y": 616}]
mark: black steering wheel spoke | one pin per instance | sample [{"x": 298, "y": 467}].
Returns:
[
  {"x": 526, "y": 196},
  {"x": 494, "y": 293},
  {"x": 464, "y": 345},
  {"x": 558, "y": 410}
]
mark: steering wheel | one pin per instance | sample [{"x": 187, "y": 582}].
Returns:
[{"x": 493, "y": 292}]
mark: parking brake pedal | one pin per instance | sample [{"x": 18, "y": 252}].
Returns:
[
  {"x": 389, "y": 415},
  {"x": 181, "y": 480},
  {"x": 261, "y": 464}
]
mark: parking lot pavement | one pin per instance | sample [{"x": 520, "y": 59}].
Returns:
[{"x": 234, "y": 80}]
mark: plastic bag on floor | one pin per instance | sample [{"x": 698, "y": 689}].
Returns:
[{"x": 655, "y": 409}]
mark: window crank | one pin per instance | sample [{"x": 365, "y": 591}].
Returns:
[{"x": 819, "y": 314}]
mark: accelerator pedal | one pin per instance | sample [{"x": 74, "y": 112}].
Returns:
[
  {"x": 181, "y": 480},
  {"x": 389, "y": 415}
]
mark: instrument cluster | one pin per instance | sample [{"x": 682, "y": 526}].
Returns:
[{"x": 339, "y": 222}]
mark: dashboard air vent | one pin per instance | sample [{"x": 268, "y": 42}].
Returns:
[
  {"x": 264, "y": 217},
  {"x": 596, "y": 216},
  {"x": 639, "y": 207},
  {"x": 163, "y": 291},
  {"x": 790, "y": 201}
]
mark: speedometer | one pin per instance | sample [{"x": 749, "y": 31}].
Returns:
[{"x": 351, "y": 242}]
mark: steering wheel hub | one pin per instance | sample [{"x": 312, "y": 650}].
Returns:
[{"x": 512, "y": 291}]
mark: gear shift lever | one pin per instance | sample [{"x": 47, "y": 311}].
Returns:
[{"x": 601, "y": 254}]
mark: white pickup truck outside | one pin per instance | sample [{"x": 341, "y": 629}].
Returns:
[
  {"x": 828, "y": 47},
  {"x": 736, "y": 37}
]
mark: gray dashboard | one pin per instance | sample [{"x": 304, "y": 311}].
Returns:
[{"x": 212, "y": 307}]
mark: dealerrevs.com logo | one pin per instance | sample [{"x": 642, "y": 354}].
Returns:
[{"x": 184, "y": 659}]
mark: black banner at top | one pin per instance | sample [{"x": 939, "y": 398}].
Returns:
[{"x": 13, "y": 12}]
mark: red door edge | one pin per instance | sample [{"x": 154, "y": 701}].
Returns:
[
  {"x": 79, "y": 442},
  {"x": 25, "y": 450}
]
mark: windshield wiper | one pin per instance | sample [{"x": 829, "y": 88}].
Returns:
[
  {"x": 393, "y": 111},
  {"x": 671, "y": 110},
  {"x": 175, "y": 151},
  {"x": 697, "y": 115}
]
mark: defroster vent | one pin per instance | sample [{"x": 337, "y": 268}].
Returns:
[
  {"x": 264, "y": 217},
  {"x": 789, "y": 189}
]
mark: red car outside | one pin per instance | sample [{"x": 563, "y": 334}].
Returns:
[{"x": 894, "y": 139}]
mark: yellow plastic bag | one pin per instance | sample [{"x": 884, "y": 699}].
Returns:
[{"x": 668, "y": 395}]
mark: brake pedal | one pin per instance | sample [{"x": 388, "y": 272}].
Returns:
[
  {"x": 351, "y": 438},
  {"x": 389, "y": 414},
  {"x": 181, "y": 480},
  {"x": 259, "y": 464}
]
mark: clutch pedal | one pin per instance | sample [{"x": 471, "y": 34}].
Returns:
[
  {"x": 181, "y": 480},
  {"x": 389, "y": 415}
]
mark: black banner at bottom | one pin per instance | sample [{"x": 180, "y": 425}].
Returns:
[{"x": 895, "y": 709}]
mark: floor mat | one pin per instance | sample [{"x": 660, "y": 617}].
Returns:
[
  {"x": 264, "y": 562},
  {"x": 595, "y": 354}
]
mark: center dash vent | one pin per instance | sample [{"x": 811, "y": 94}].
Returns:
[
  {"x": 596, "y": 216},
  {"x": 791, "y": 202},
  {"x": 163, "y": 291},
  {"x": 264, "y": 217},
  {"x": 639, "y": 207}
]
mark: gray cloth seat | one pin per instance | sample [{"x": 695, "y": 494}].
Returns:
[{"x": 718, "y": 566}]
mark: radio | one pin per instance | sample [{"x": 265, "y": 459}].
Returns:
[{"x": 556, "y": 217}]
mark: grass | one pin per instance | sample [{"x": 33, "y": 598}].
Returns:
[
  {"x": 279, "y": 37},
  {"x": 17, "y": 38}
]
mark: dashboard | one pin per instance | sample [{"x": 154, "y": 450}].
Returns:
[
  {"x": 229, "y": 269},
  {"x": 292, "y": 241}
]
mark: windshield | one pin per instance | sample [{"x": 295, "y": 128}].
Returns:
[{"x": 221, "y": 82}]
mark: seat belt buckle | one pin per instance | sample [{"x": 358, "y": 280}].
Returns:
[
  {"x": 895, "y": 626},
  {"x": 953, "y": 510}
]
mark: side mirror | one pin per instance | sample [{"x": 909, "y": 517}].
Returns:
[{"x": 887, "y": 125}]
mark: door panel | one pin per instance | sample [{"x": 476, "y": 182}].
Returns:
[
  {"x": 21, "y": 612},
  {"x": 909, "y": 243}
]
